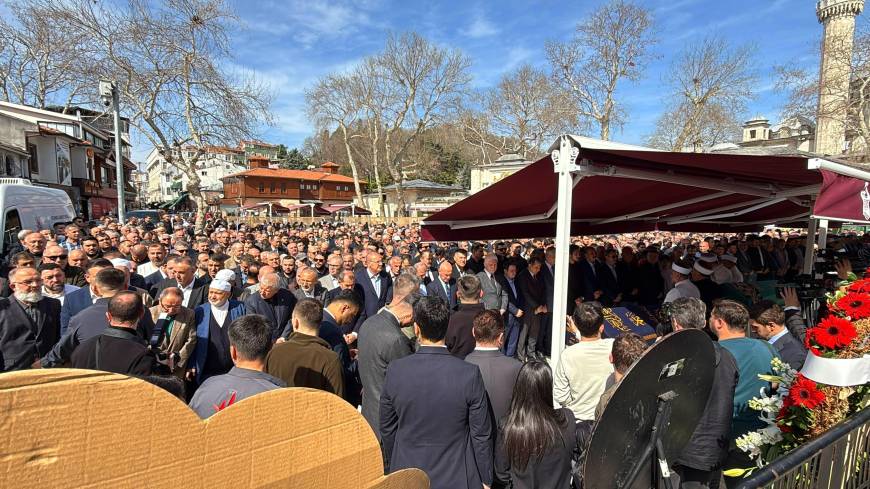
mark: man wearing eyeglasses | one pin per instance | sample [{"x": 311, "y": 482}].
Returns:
[
  {"x": 57, "y": 255},
  {"x": 34, "y": 243},
  {"x": 30, "y": 321}
]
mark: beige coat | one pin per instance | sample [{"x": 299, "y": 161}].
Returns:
[{"x": 182, "y": 339}]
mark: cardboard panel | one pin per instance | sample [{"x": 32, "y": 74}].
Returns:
[{"x": 82, "y": 428}]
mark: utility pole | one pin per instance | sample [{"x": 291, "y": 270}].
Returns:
[{"x": 110, "y": 98}]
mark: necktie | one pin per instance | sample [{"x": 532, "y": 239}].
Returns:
[{"x": 30, "y": 309}]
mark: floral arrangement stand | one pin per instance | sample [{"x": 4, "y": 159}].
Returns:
[{"x": 833, "y": 384}]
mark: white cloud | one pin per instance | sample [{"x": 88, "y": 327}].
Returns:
[{"x": 480, "y": 27}]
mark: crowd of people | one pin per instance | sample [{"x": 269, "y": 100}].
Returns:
[{"x": 442, "y": 346}]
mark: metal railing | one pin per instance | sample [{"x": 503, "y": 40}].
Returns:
[{"x": 838, "y": 459}]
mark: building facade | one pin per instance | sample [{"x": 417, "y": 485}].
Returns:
[
  {"x": 794, "y": 133},
  {"x": 485, "y": 175},
  {"x": 166, "y": 182},
  {"x": 422, "y": 198},
  {"x": 263, "y": 183},
  {"x": 259, "y": 148},
  {"x": 66, "y": 151}
]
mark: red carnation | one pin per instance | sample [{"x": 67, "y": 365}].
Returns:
[
  {"x": 834, "y": 332},
  {"x": 855, "y": 305},
  {"x": 803, "y": 392}
]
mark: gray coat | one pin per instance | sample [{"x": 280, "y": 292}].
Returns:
[
  {"x": 499, "y": 376},
  {"x": 221, "y": 391},
  {"x": 494, "y": 296},
  {"x": 380, "y": 342}
]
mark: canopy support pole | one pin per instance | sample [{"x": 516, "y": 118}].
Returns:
[
  {"x": 823, "y": 234},
  {"x": 563, "y": 162},
  {"x": 809, "y": 253}
]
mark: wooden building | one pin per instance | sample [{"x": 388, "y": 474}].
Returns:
[{"x": 261, "y": 183}]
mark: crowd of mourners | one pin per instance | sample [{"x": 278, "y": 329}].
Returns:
[{"x": 444, "y": 347}]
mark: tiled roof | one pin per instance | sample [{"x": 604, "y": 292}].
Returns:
[{"x": 293, "y": 174}]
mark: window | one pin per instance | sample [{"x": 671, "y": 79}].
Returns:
[
  {"x": 167, "y": 178},
  {"x": 12, "y": 226},
  {"x": 272, "y": 187},
  {"x": 261, "y": 188},
  {"x": 283, "y": 188},
  {"x": 203, "y": 173},
  {"x": 752, "y": 133},
  {"x": 34, "y": 158}
]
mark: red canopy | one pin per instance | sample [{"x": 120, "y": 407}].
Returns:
[
  {"x": 356, "y": 210},
  {"x": 276, "y": 208},
  {"x": 843, "y": 198},
  {"x": 619, "y": 190}
]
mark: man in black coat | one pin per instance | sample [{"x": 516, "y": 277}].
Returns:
[
  {"x": 459, "y": 339},
  {"x": 341, "y": 312},
  {"x": 701, "y": 462},
  {"x": 768, "y": 322},
  {"x": 534, "y": 297},
  {"x": 273, "y": 303},
  {"x": 118, "y": 348},
  {"x": 609, "y": 281},
  {"x": 29, "y": 322},
  {"x": 445, "y": 427},
  {"x": 444, "y": 286},
  {"x": 92, "y": 321},
  {"x": 381, "y": 341},
  {"x": 515, "y": 310},
  {"x": 195, "y": 289},
  {"x": 498, "y": 370}
]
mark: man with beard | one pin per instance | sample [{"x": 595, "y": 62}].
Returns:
[
  {"x": 287, "y": 273},
  {"x": 91, "y": 248},
  {"x": 105, "y": 243},
  {"x": 30, "y": 322},
  {"x": 53, "y": 282},
  {"x": 156, "y": 254},
  {"x": 212, "y": 353},
  {"x": 308, "y": 286}
]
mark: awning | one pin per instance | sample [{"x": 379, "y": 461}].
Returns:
[
  {"x": 619, "y": 190},
  {"x": 348, "y": 209},
  {"x": 276, "y": 208},
  {"x": 175, "y": 203},
  {"x": 844, "y": 195}
]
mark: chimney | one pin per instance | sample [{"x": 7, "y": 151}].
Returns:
[
  {"x": 329, "y": 167},
  {"x": 258, "y": 162}
]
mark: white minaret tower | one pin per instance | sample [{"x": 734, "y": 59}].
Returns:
[{"x": 838, "y": 19}]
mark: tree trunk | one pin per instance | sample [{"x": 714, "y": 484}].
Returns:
[{"x": 352, "y": 164}]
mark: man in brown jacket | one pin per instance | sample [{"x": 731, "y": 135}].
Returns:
[
  {"x": 175, "y": 328},
  {"x": 304, "y": 360}
]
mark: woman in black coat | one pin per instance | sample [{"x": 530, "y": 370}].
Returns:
[{"x": 535, "y": 441}]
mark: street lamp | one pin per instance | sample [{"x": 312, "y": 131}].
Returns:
[{"x": 109, "y": 96}]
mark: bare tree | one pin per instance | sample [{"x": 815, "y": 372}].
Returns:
[
  {"x": 613, "y": 44},
  {"x": 521, "y": 114},
  {"x": 415, "y": 83},
  {"x": 335, "y": 100},
  {"x": 169, "y": 61},
  {"x": 42, "y": 60},
  {"x": 711, "y": 83}
]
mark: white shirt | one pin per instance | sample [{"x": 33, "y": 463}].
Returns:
[
  {"x": 220, "y": 312},
  {"x": 146, "y": 269},
  {"x": 581, "y": 376},
  {"x": 186, "y": 291},
  {"x": 683, "y": 289}
]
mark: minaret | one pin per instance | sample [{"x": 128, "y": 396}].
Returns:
[{"x": 838, "y": 19}]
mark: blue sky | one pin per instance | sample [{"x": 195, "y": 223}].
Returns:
[{"x": 289, "y": 44}]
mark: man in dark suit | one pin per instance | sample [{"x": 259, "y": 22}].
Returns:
[
  {"x": 155, "y": 278},
  {"x": 459, "y": 339},
  {"x": 515, "y": 310},
  {"x": 195, "y": 290},
  {"x": 308, "y": 286},
  {"x": 768, "y": 321},
  {"x": 381, "y": 341},
  {"x": 444, "y": 286},
  {"x": 83, "y": 298},
  {"x": 460, "y": 263},
  {"x": 442, "y": 426},
  {"x": 590, "y": 289},
  {"x": 348, "y": 283},
  {"x": 118, "y": 348},
  {"x": 376, "y": 284},
  {"x": 273, "y": 303},
  {"x": 534, "y": 297},
  {"x": 92, "y": 320},
  {"x": 342, "y": 311},
  {"x": 609, "y": 280},
  {"x": 498, "y": 370},
  {"x": 28, "y": 321}
]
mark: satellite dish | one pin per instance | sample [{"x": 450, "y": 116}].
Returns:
[{"x": 652, "y": 414}]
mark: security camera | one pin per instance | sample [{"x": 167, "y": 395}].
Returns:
[{"x": 107, "y": 102}]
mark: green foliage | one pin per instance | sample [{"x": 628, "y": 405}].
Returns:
[
  {"x": 292, "y": 159},
  {"x": 452, "y": 168}
]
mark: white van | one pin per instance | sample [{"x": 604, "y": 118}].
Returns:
[{"x": 25, "y": 206}]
